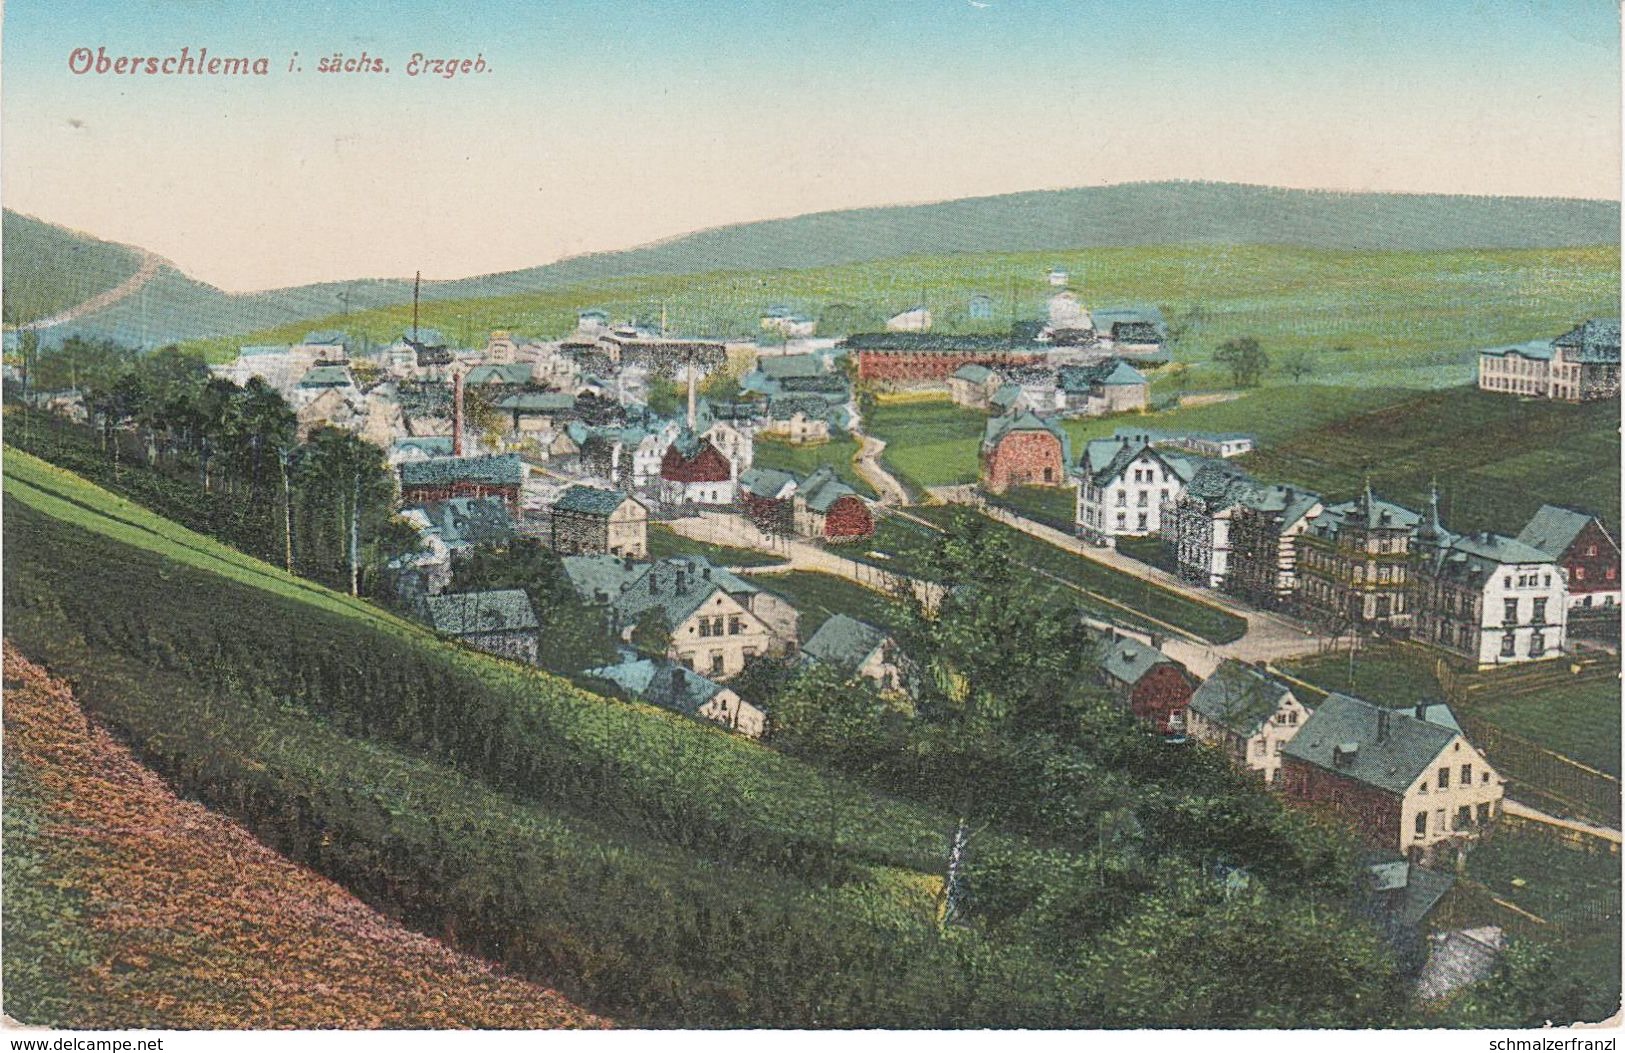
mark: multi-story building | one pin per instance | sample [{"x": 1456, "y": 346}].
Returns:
[
  {"x": 1024, "y": 449},
  {"x": 1123, "y": 485},
  {"x": 1584, "y": 549},
  {"x": 1408, "y": 779},
  {"x": 1489, "y": 597},
  {"x": 1354, "y": 563},
  {"x": 1264, "y": 529},
  {"x": 591, "y": 522},
  {"x": 1248, "y": 714},
  {"x": 1196, "y": 526},
  {"x": 1582, "y": 365}
]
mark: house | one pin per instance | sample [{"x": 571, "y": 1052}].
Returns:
[
  {"x": 973, "y": 385},
  {"x": 1400, "y": 896},
  {"x": 629, "y": 457},
  {"x": 824, "y": 507},
  {"x": 325, "y": 345},
  {"x": 932, "y": 357},
  {"x": 664, "y": 683},
  {"x": 1584, "y": 549},
  {"x": 1581, "y": 365},
  {"x": 419, "y": 449},
  {"x": 532, "y": 413},
  {"x": 498, "y": 621},
  {"x": 1124, "y": 484},
  {"x": 662, "y": 356},
  {"x": 1407, "y": 779},
  {"x": 766, "y": 496},
  {"x": 443, "y": 478},
  {"x": 464, "y": 522},
  {"x": 1247, "y": 713},
  {"x": 1057, "y": 276},
  {"x": 1196, "y": 523},
  {"x": 787, "y": 324},
  {"x": 1152, "y": 686},
  {"x": 914, "y": 320},
  {"x": 1131, "y": 329},
  {"x": 980, "y": 307},
  {"x": 1110, "y": 386},
  {"x": 797, "y": 419},
  {"x": 771, "y": 371},
  {"x": 1264, "y": 528},
  {"x": 588, "y": 521},
  {"x": 1024, "y": 449},
  {"x": 855, "y": 649},
  {"x": 511, "y": 374},
  {"x": 1489, "y": 597},
  {"x": 591, "y": 321},
  {"x": 727, "y": 429},
  {"x": 322, "y": 378},
  {"x": 1354, "y": 563},
  {"x": 717, "y": 622},
  {"x": 1039, "y": 387},
  {"x": 1066, "y": 312},
  {"x": 1009, "y": 399},
  {"x": 692, "y": 471}
]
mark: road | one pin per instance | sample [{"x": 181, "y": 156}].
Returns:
[
  {"x": 868, "y": 464},
  {"x": 100, "y": 302}
]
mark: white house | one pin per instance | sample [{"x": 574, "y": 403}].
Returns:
[
  {"x": 1247, "y": 713},
  {"x": 914, "y": 320},
  {"x": 1123, "y": 484}
]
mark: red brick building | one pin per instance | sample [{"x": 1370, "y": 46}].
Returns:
[
  {"x": 445, "y": 478},
  {"x": 928, "y": 356},
  {"x": 1154, "y": 687},
  {"x": 1024, "y": 449},
  {"x": 1583, "y": 547}
]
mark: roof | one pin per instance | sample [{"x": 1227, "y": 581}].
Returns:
[
  {"x": 1459, "y": 958},
  {"x": 942, "y": 343},
  {"x": 998, "y": 427},
  {"x": 1105, "y": 318},
  {"x": 783, "y": 407},
  {"x": 844, "y": 642},
  {"x": 537, "y": 402},
  {"x": 974, "y": 373},
  {"x": 1218, "y": 485},
  {"x": 1366, "y": 512},
  {"x": 1288, "y": 502},
  {"x": 327, "y": 377},
  {"x": 433, "y": 445},
  {"x": 1238, "y": 697},
  {"x": 257, "y": 350},
  {"x": 1127, "y": 660},
  {"x": 1405, "y": 893},
  {"x": 1104, "y": 460},
  {"x": 1594, "y": 340},
  {"x": 822, "y": 488},
  {"x": 590, "y": 500},
  {"x": 677, "y": 585},
  {"x": 778, "y": 367},
  {"x": 1553, "y": 529},
  {"x": 465, "y": 521},
  {"x": 1389, "y": 761},
  {"x": 1473, "y": 558},
  {"x": 501, "y": 470},
  {"x": 516, "y": 373},
  {"x": 766, "y": 482},
  {"x": 660, "y": 682},
  {"x": 495, "y": 611},
  {"x": 1541, "y": 349},
  {"x": 327, "y": 336}
]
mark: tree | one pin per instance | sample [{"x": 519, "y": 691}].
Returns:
[
  {"x": 1295, "y": 365},
  {"x": 573, "y": 635},
  {"x": 1246, "y": 360},
  {"x": 341, "y": 472}
]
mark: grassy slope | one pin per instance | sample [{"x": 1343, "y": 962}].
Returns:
[
  {"x": 802, "y": 459},
  {"x": 817, "y": 596},
  {"x": 134, "y": 908},
  {"x": 765, "y": 784},
  {"x": 48, "y": 269},
  {"x": 663, "y": 542}
]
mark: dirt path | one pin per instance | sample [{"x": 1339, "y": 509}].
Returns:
[
  {"x": 1525, "y": 811},
  {"x": 144, "y": 274},
  {"x": 892, "y": 492}
]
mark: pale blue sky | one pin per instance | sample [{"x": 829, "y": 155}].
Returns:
[{"x": 606, "y": 124}]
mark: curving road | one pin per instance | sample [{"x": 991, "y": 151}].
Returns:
[{"x": 150, "y": 265}]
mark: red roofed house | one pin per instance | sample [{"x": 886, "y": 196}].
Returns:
[
  {"x": 1583, "y": 548},
  {"x": 1023, "y": 449},
  {"x": 1154, "y": 687},
  {"x": 695, "y": 472}
]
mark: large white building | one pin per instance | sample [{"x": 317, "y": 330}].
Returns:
[{"x": 1124, "y": 484}]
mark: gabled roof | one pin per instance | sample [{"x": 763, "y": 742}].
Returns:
[
  {"x": 501, "y": 470},
  {"x": 1105, "y": 318},
  {"x": 1105, "y": 459},
  {"x": 1553, "y": 529},
  {"x": 1288, "y": 502},
  {"x": 1594, "y": 340},
  {"x": 998, "y": 427},
  {"x": 1364, "y": 512},
  {"x": 1389, "y": 761},
  {"x": 677, "y": 585},
  {"x": 1536, "y": 349},
  {"x": 495, "y": 611},
  {"x": 942, "y": 343},
  {"x": 778, "y": 367},
  {"x": 1471, "y": 559},
  {"x": 767, "y": 482},
  {"x": 590, "y": 500},
  {"x": 537, "y": 402},
  {"x": 974, "y": 373},
  {"x": 1218, "y": 485},
  {"x": 516, "y": 373},
  {"x": 327, "y": 377},
  {"x": 465, "y": 521},
  {"x": 784, "y": 407},
  {"x": 1239, "y": 697},
  {"x": 844, "y": 643},
  {"x": 660, "y": 682},
  {"x": 433, "y": 445},
  {"x": 822, "y": 488},
  {"x": 328, "y": 337},
  {"x": 259, "y": 350},
  {"x": 1127, "y": 660}
]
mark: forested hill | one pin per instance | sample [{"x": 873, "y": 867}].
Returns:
[{"x": 174, "y": 307}]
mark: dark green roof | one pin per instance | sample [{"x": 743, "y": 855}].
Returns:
[
  {"x": 590, "y": 500},
  {"x": 1127, "y": 660},
  {"x": 515, "y": 373},
  {"x": 537, "y": 402},
  {"x": 765, "y": 482},
  {"x": 464, "y": 521},
  {"x": 501, "y": 470},
  {"x": 1554, "y": 529},
  {"x": 1594, "y": 340},
  {"x": 822, "y": 488},
  {"x": 942, "y": 343},
  {"x": 468, "y": 613},
  {"x": 844, "y": 642},
  {"x": 1390, "y": 761},
  {"x": 1238, "y": 697},
  {"x": 327, "y": 377}
]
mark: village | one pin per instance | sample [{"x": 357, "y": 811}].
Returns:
[{"x": 634, "y": 457}]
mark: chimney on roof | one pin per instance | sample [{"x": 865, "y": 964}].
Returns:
[
  {"x": 457, "y": 413},
  {"x": 1344, "y": 754},
  {"x": 1382, "y": 725},
  {"x": 1422, "y": 710}
]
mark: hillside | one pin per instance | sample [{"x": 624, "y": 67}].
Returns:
[
  {"x": 178, "y": 307},
  {"x": 46, "y": 268},
  {"x": 193, "y": 922}
]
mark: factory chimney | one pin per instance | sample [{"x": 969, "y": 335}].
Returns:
[
  {"x": 457, "y": 413},
  {"x": 691, "y": 394}
]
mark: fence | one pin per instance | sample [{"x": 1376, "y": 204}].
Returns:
[{"x": 1571, "y": 786}]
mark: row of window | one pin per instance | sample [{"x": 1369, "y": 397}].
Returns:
[
  {"x": 1537, "y": 611},
  {"x": 1526, "y": 581},
  {"x": 714, "y": 626},
  {"x": 1465, "y": 819},
  {"x": 1537, "y": 645}
]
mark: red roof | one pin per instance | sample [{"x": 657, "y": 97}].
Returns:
[{"x": 706, "y": 465}]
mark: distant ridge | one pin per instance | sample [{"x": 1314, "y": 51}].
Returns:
[{"x": 174, "y": 307}]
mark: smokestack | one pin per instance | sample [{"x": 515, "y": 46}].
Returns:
[
  {"x": 456, "y": 412},
  {"x": 691, "y": 395},
  {"x": 1382, "y": 725},
  {"x": 416, "y": 281}
]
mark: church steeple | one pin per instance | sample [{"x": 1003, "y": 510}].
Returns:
[{"x": 1432, "y": 530}]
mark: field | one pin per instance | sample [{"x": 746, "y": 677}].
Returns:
[
  {"x": 48, "y": 270},
  {"x": 802, "y": 459},
  {"x": 664, "y": 542},
  {"x": 1054, "y": 506},
  {"x": 928, "y": 443},
  {"x": 817, "y": 596},
  {"x": 189, "y": 921}
]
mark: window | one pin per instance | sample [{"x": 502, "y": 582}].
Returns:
[
  {"x": 1508, "y": 582},
  {"x": 1579, "y": 574},
  {"x": 1122, "y": 520},
  {"x": 1509, "y": 613},
  {"x": 735, "y": 625},
  {"x": 1385, "y": 545},
  {"x": 1049, "y": 475},
  {"x": 1142, "y": 521},
  {"x": 1122, "y": 498},
  {"x": 1509, "y": 645},
  {"x": 1444, "y": 778},
  {"x": 1483, "y": 814},
  {"x": 1278, "y": 744},
  {"x": 1421, "y": 824},
  {"x": 717, "y": 663},
  {"x": 1466, "y": 774},
  {"x": 1464, "y": 817},
  {"x": 1539, "y": 615},
  {"x": 1537, "y": 645},
  {"x": 1261, "y": 748},
  {"x": 1144, "y": 498},
  {"x": 1423, "y": 788},
  {"x": 705, "y": 627},
  {"x": 1165, "y": 495}
]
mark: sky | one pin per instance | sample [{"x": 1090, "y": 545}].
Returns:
[{"x": 605, "y": 124}]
